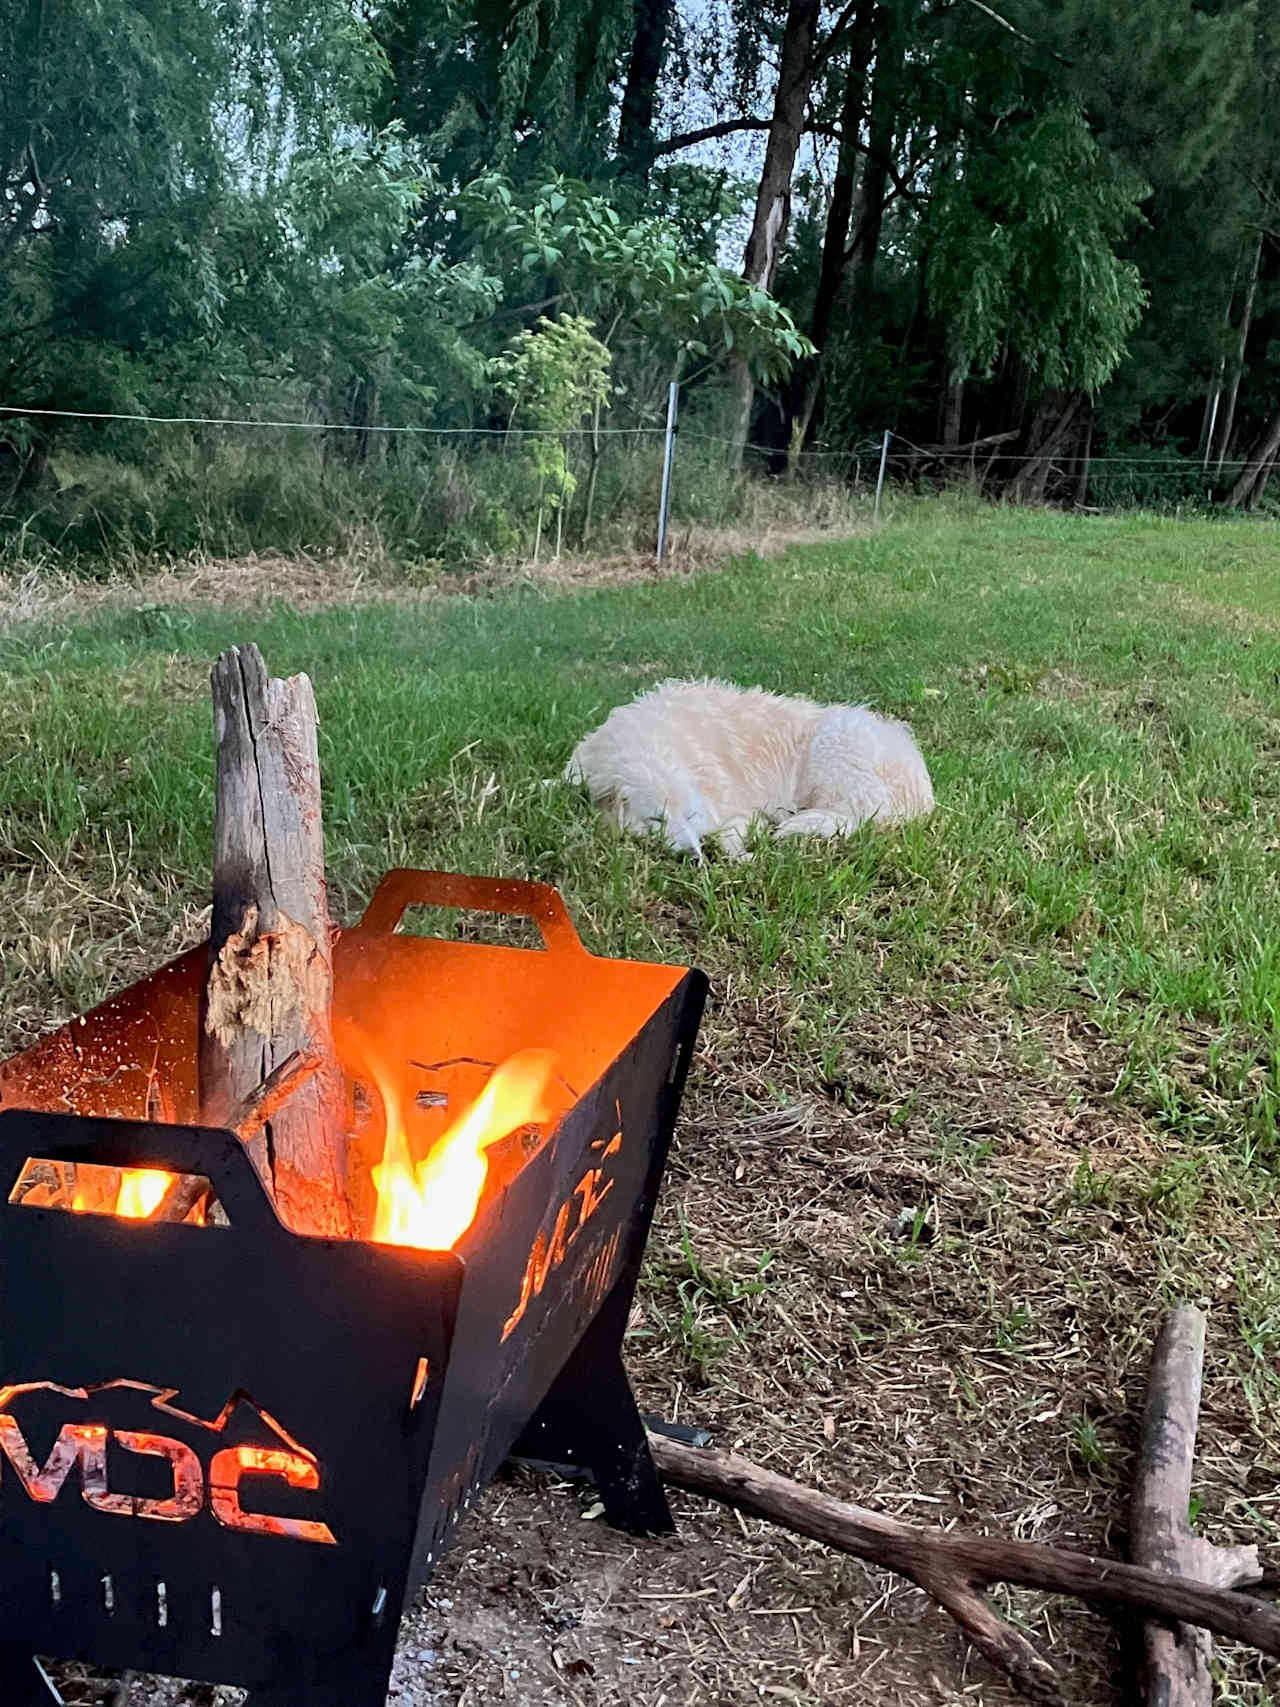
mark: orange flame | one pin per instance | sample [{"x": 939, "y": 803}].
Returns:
[
  {"x": 139, "y": 1195},
  {"x": 141, "y": 1190},
  {"x": 432, "y": 1204}
]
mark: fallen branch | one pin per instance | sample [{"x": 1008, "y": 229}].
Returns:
[
  {"x": 934, "y": 453},
  {"x": 956, "y": 1569},
  {"x": 1176, "y": 1656}
]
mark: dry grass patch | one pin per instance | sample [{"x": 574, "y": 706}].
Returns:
[{"x": 302, "y": 582}]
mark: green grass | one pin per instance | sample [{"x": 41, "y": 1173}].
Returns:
[
  {"x": 1100, "y": 712},
  {"x": 409, "y": 513}
]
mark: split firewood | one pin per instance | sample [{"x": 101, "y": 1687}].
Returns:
[
  {"x": 956, "y": 1569},
  {"x": 269, "y": 993},
  {"x": 1176, "y": 1656},
  {"x": 45, "y": 1185}
]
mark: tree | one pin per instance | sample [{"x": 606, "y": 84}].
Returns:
[
  {"x": 634, "y": 280},
  {"x": 523, "y": 86},
  {"x": 129, "y": 133},
  {"x": 837, "y": 250},
  {"x": 640, "y": 94},
  {"x": 773, "y": 197}
]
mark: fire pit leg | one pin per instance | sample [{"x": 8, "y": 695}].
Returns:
[
  {"x": 590, "y": 1419},
  {"x": 23, "y": 1682}
]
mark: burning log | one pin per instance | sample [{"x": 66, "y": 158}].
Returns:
[
  {"x": 1176, "y": 1656},
  {"x": 955, "y": 1569},
  {"x": 270, "y": 985}
]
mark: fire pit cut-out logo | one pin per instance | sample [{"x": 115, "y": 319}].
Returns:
[
  {"x": 571, "y": 1220},
  {"x": 222, "y": 1486}
]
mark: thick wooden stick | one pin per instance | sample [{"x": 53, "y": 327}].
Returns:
[
  {"x": 955, "y": 1568},
  {"x": 1176, "y": 1656},
  {"x": 271, "y": 973}
]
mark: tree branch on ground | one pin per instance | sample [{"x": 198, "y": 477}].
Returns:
[{"x": 955, "y": 1569}]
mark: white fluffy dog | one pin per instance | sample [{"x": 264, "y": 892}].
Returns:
[{"x": 699, "y": 759}]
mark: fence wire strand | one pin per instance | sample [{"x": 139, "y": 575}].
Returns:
[{"x": 908, "y": 457}]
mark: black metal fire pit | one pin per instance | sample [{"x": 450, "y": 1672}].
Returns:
[{"x": 228, "y": 1452}]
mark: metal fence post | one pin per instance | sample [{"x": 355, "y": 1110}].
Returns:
[
  {"x": 668, "y": 452},
  {"x": 884, "y": 457}
]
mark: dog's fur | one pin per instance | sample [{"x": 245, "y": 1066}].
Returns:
[{"x": 700, "y": 759}]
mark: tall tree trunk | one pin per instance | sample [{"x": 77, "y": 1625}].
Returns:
[
  {"x": 836, "y": 249},
  {"x": 1212, "y": 399},
  {"x": 1085, "y": 454},
  {"x": 1054, "y": 418},
  {"x": 362, "y": 414},
  {"x": 1228, "y": 420},
  {"x": 773, "y": 198},
  {"x": 874, "y": 187},
  {"x": 1247, "y": 489},
  {"x": 1213, "y": 396},
  {"x": 952, "y": 413},
  {"x": 640, "y": 96}
]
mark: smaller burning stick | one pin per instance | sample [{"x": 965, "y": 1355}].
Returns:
[
  {"x": 252, "y": 1113},
  {"x": 246, "y": 1120}
]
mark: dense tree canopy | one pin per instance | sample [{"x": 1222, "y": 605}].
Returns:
[{"x": 1046, "y": 225}]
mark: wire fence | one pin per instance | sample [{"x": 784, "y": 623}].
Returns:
[
  {"x": 140, "y": 481},
  {"x": 1081, "y": 477}
]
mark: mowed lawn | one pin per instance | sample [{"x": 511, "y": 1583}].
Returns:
[{"x": 976, "y": 1099}]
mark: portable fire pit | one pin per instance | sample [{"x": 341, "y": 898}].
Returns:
[{"x": 227, "y": 1450}]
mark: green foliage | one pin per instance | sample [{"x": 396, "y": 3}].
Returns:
[
  {"x": 554, "y": 375},
  {"x": 636, "y": 280},
  {"x": 304, "y": 208},
  {"x": 1022, "y": 242},
  {"x": 127, "y": 133},
  {"x": 525, "y": 85}
]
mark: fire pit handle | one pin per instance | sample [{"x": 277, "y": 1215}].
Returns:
[
  {"x": 207, "y": 1152},
  {"x": 511, "y": 896}
]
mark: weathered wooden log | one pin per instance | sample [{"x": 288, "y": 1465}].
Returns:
[
  {"x": 955, "y": 1569},
  {"x": 271, "y": 968},
  {"x": 1176, "y": 1656}
]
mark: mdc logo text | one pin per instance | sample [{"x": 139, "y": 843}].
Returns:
[{"x": 80, "y": 1454}]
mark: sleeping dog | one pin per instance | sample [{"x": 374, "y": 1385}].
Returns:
[{"x": 700, "y": 759}]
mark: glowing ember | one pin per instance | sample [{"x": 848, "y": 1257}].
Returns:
[{"x": 432, "y": 1204}]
